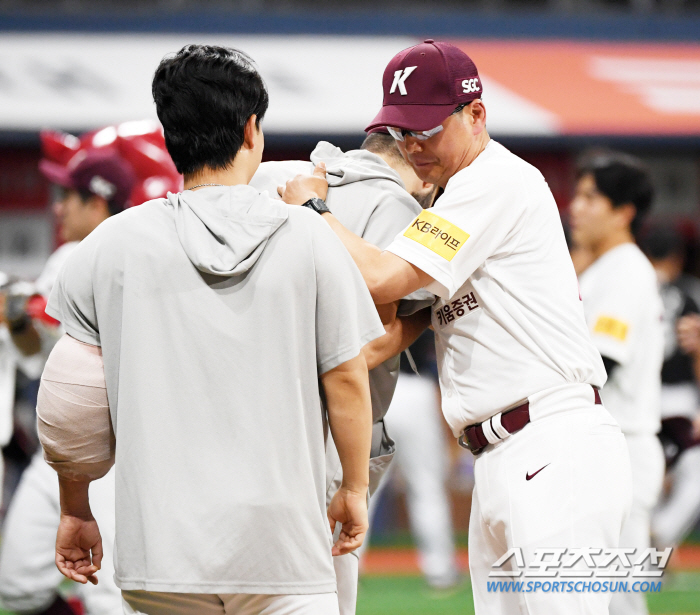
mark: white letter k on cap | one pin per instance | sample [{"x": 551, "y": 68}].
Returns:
[{"x": 400, "y": 77}]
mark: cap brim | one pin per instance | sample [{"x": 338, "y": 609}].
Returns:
[
  {"x": 56, "y": 173},
  {"x": 412, "y": 117}
]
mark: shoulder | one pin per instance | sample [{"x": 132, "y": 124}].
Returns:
[
  {"x": 624, "y": 272},
  {"x": 275, "y": 173},
  {"x": 496, "y": 174}
]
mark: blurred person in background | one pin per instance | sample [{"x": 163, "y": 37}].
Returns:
[
  {"x": 92, "y": 179},
  {"x": 8, "y": 370},
  {"x": 376, "y": 194},
  {"x": 624, "y": 313},
  {"x": 415, "y": 422},
  {"x": 680, "y": 420}
]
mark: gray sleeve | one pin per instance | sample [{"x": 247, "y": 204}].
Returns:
[
  {"x": 72, "y": 300},
  {"x": 346, "y": 318}
]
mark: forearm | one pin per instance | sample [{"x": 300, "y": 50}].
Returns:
[
  {"x": 74, "y": 497},
  {"x": 350, "y": 418},
  {"x": 388, "y": 277},
  {"x": 400, "y": 334}
]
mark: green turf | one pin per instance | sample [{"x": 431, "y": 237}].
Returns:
[{"x": 408, "y": 595}]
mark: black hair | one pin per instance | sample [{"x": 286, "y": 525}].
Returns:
[
  {"x": 662, "y": 241},
  {"x": 204, "y": 96},
  {"x": 384, "y": 145},
  {"x": 624, "y": 180}
]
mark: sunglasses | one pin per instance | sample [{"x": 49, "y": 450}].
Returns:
[{"x": 400, "y": 134}]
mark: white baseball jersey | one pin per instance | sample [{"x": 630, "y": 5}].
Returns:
[
  {"x": 216, "y": 311},
  {"x": 624, "y": 314},
  {"x": 510, "y": 322}
]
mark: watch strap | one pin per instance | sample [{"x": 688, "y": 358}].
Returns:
[{"x": 318, "y": 205}]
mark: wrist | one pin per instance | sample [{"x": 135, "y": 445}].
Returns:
[
  {"x": 74, "y": 498},
  {"x": 358, "y": 488},
  {"x": 316, "y": 204}
]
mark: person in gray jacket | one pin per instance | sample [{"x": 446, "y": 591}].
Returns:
[
  {"x": 377, "y": 194},
  {"x": 198, "y": 327}
]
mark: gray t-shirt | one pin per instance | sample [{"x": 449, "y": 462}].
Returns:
[
  {"x": 368, "y": 198},
  {"x": 216, "y": 311}
]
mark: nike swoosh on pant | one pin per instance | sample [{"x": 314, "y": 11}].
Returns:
[{"x": 531, "y": 476}]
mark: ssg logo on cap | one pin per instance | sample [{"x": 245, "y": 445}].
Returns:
[{"x": 400, "y": 77}]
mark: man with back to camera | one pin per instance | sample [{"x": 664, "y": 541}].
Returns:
[
  {"x": 375, "y": 193},
  {"x": 518, "y": 371},
  {"x": 203, "y": 321},
  {"x": 624, "y": 314}
]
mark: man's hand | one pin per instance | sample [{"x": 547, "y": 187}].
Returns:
[
  {"x": 348, "y": 508},
  {"x": 78, "y": 548},
  {"x": 688, "y": 330},
  {"x": 304, "y": 187}
]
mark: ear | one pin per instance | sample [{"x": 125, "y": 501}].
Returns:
[
  {"x": 250, "y": 132},
  {"x": 628, "y": 212},
  {"x": 477, "y": 111},
  {"x": 97, "y": 204}
]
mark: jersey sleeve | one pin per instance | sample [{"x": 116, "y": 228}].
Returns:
[
  {"x": 612, "y": 319},
  {"x": 465, "y": 227},
  {"x": 389, "y": 218},
  {"x": 72, "y": 300},
  {"x": 346, "y": 318}
]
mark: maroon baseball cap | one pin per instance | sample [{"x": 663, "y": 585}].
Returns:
[
  {"x": 99, "y": 171},
  {"x": 424, "y": 84}
]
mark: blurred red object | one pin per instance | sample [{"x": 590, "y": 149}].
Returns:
[
  {"x": 76, "y": 605},
  {"x": 140, "y": 143}
]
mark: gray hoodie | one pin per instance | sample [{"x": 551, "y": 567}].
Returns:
[
  {"x": 216, "y": 311},
  {"x": 224, "y": 231},
  {"x": 368, "y": 198}
]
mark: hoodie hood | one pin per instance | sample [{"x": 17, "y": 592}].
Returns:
[
  {"x": 224, "y": 230},
  {"x": 354, "y": 166}
]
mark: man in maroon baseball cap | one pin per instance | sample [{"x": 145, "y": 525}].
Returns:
[
  {"x": 95, "y": 184},
  {"x": 424, "y": 84},
  {"x": 519, "y": 373}
]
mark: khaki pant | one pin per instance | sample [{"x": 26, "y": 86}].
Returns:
[{"x": 162, "y": 603}]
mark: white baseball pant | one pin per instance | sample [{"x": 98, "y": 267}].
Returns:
[
  {"x": 415, "y": 422},
  {"x": 579, "y": 494},
  {"x": 678, "y": 513},
  {"x": 648, "y": 464}
]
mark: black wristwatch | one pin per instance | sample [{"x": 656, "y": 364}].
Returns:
[{"x": 318, "y": 205}]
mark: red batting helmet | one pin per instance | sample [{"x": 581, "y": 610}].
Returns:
[{"x": 140, "y": 144}]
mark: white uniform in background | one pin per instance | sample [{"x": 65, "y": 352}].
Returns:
[
  {"x": 29, "y": 578},
  {"x": 8, "y": 368},
  {"x": 679, "y": 509},
  {"x": 510, "y": 328},
  {"x": 369, "y": 198},
  {"x": 415, "y": 423},
  {"x": 624, "y": 313}
]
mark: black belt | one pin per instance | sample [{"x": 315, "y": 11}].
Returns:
[{"x": 512, "y": 421}]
